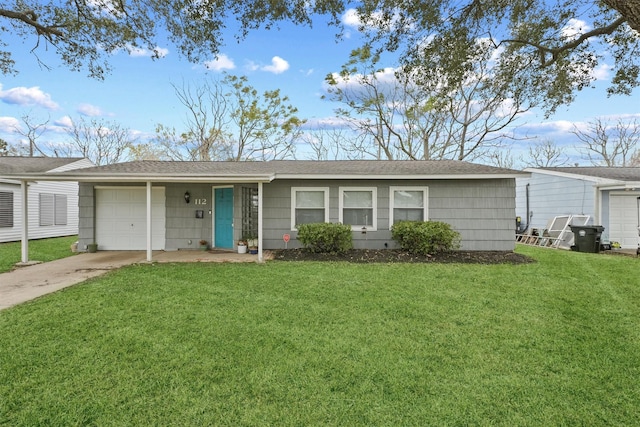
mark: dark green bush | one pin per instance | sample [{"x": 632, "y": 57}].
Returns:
[
  {"x": 325, "y": 237},
  {"x": 425, "y": 237}
]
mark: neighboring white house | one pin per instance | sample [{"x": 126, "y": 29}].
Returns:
[
  {"x": 609, "y": 195},
  {"x": 53, "y": 206}
]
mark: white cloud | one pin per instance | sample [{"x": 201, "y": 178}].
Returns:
[
  {"x": 9, "y": 124},
  {"x": 251, "y": 66},
  {"x": 222, "y": 62},
  {"x": 353, "y": 82},
  {"x": 278, "y": 66},
  {"x": 574, "y": 28},
  {"x": 601, "y": 72},
  {"x": 137, "y": 52},
  {"x": 351, "y": 18},
  {"x": 377, "y": 20},
  {"x": 65, "y": 122},
  {"x": 552, "y": 129},
  {"x": 89, "y": 110},
  {"x": 26, "y": 96}
]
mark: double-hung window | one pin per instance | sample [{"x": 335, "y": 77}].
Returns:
[
  {"x": 408, "y": 204},
  {"x": 309, "y": 205},
  {"x": 358, "y": 207},
  {"x": 6, "y": 209}
]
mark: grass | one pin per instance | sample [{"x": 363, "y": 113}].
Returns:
[
  {"x": 551, "y": 343},
  {"x": 40, "y": 250}
]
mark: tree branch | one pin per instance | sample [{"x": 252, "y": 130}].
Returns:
[
  {"x": 31, "y": 18},
  {"x": 556, "y": 51}
]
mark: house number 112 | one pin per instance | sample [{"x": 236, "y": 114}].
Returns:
[{"x": 200, "y": 202}]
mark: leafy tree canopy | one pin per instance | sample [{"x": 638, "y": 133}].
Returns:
[
  {"x": 538, "y": 47},
  {"x": 85, "y": 32},
  {"x": 545, "y": 50}
]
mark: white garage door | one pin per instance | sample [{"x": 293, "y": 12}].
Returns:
[
  {"x": 623, "y": 220},
  {"x": 121, "y": 218}
]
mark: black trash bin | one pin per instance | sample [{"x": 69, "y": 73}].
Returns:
[{"x": 586, "y": 238}]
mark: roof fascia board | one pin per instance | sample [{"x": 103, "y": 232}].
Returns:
[
  {"x": 401, "y": 177},
  {"x": 252, "y": 178},
  {"x": 626, "y": 185},
  {"x": 138, "y": 178},
  {"x": 9, "y": 181},
  {"x": 597, "y": 180}
]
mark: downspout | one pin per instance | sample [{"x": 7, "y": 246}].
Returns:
[{"x": 526, "y": 226}]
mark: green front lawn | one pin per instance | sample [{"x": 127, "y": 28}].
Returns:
[
  {"x": 39, "y": 250},
  {"x": 551, "y": 343}
]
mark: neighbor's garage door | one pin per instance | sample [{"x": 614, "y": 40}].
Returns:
[
  {"x": 121, "y": 218},
  {"x": 623, "y": 220}
]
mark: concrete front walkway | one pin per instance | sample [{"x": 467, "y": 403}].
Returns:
[{"x": 32, "y": 281}]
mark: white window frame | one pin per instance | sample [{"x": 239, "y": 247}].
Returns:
[
  {"x": 294, "y": 191},
  {"x": 374, "y": 197},
  {"x": 425, "y": 201}
]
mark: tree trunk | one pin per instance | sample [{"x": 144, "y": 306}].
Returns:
[{"x": 629, "y": 9}]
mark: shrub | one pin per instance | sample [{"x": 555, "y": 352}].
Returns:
[
  {"x": 325, "y": 237},
  {"x": 425, "y": 237}
]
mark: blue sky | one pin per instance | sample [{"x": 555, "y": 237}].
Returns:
[{"x": 138, "y": 93}]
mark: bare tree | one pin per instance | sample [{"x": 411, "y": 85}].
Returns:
[
  {"x": 544, "y": 154},
  {"x": 100, "y": 141},
  {"x": 4, "y": 147},
  {"x": 229, "y": 120},
  {"x": 607, "y": 144},
  {"x": 207, "y": 136},
  {"x": 335, "y": 143},
  {"x": 501, "y": 159},
  {"x": 430, "y": 121},
  {"x": 32, "y": 133}
]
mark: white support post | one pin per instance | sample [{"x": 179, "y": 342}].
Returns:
[
  {"x": 24, "y": 187},
  {"x": 260, "y": 258},
  {"x": 149, "y": 228}
]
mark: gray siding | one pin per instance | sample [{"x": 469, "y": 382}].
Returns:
[
  {"x": 483, "y": 211},
  {"x": 183, "y": 229}
]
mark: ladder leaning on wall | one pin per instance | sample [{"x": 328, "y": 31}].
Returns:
[{"x": 557, "y": 234}]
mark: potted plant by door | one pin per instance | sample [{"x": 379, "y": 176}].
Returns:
[
  {"x": 252, "y": 244},
  {"x": 242, "y": 247},
  {"x": 204, "y": 245}
]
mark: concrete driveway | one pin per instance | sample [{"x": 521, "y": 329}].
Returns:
[{"x": 32, "y": 281}]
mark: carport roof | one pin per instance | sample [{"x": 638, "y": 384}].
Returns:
[{"x": 151, "y": 170}]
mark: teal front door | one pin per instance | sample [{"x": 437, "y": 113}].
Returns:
[{"x": 223, "y": 217}]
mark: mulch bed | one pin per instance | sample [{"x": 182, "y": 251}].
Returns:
[{"x": 398, "y": 256}]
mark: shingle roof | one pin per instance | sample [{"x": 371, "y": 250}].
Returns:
[
  {"x": 616, "y": 173},
  {"x": 295, "y": 168},
  {"x": 17, "y": 165}
]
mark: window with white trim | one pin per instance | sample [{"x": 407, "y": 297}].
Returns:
[
  {"x": 6, "y": 209},
  {"x": 358, "y": 207},
  {"x": 53, "y": 209},
  {"x": 309, "y": 205},
  {"x": 408, "y": 204}
]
